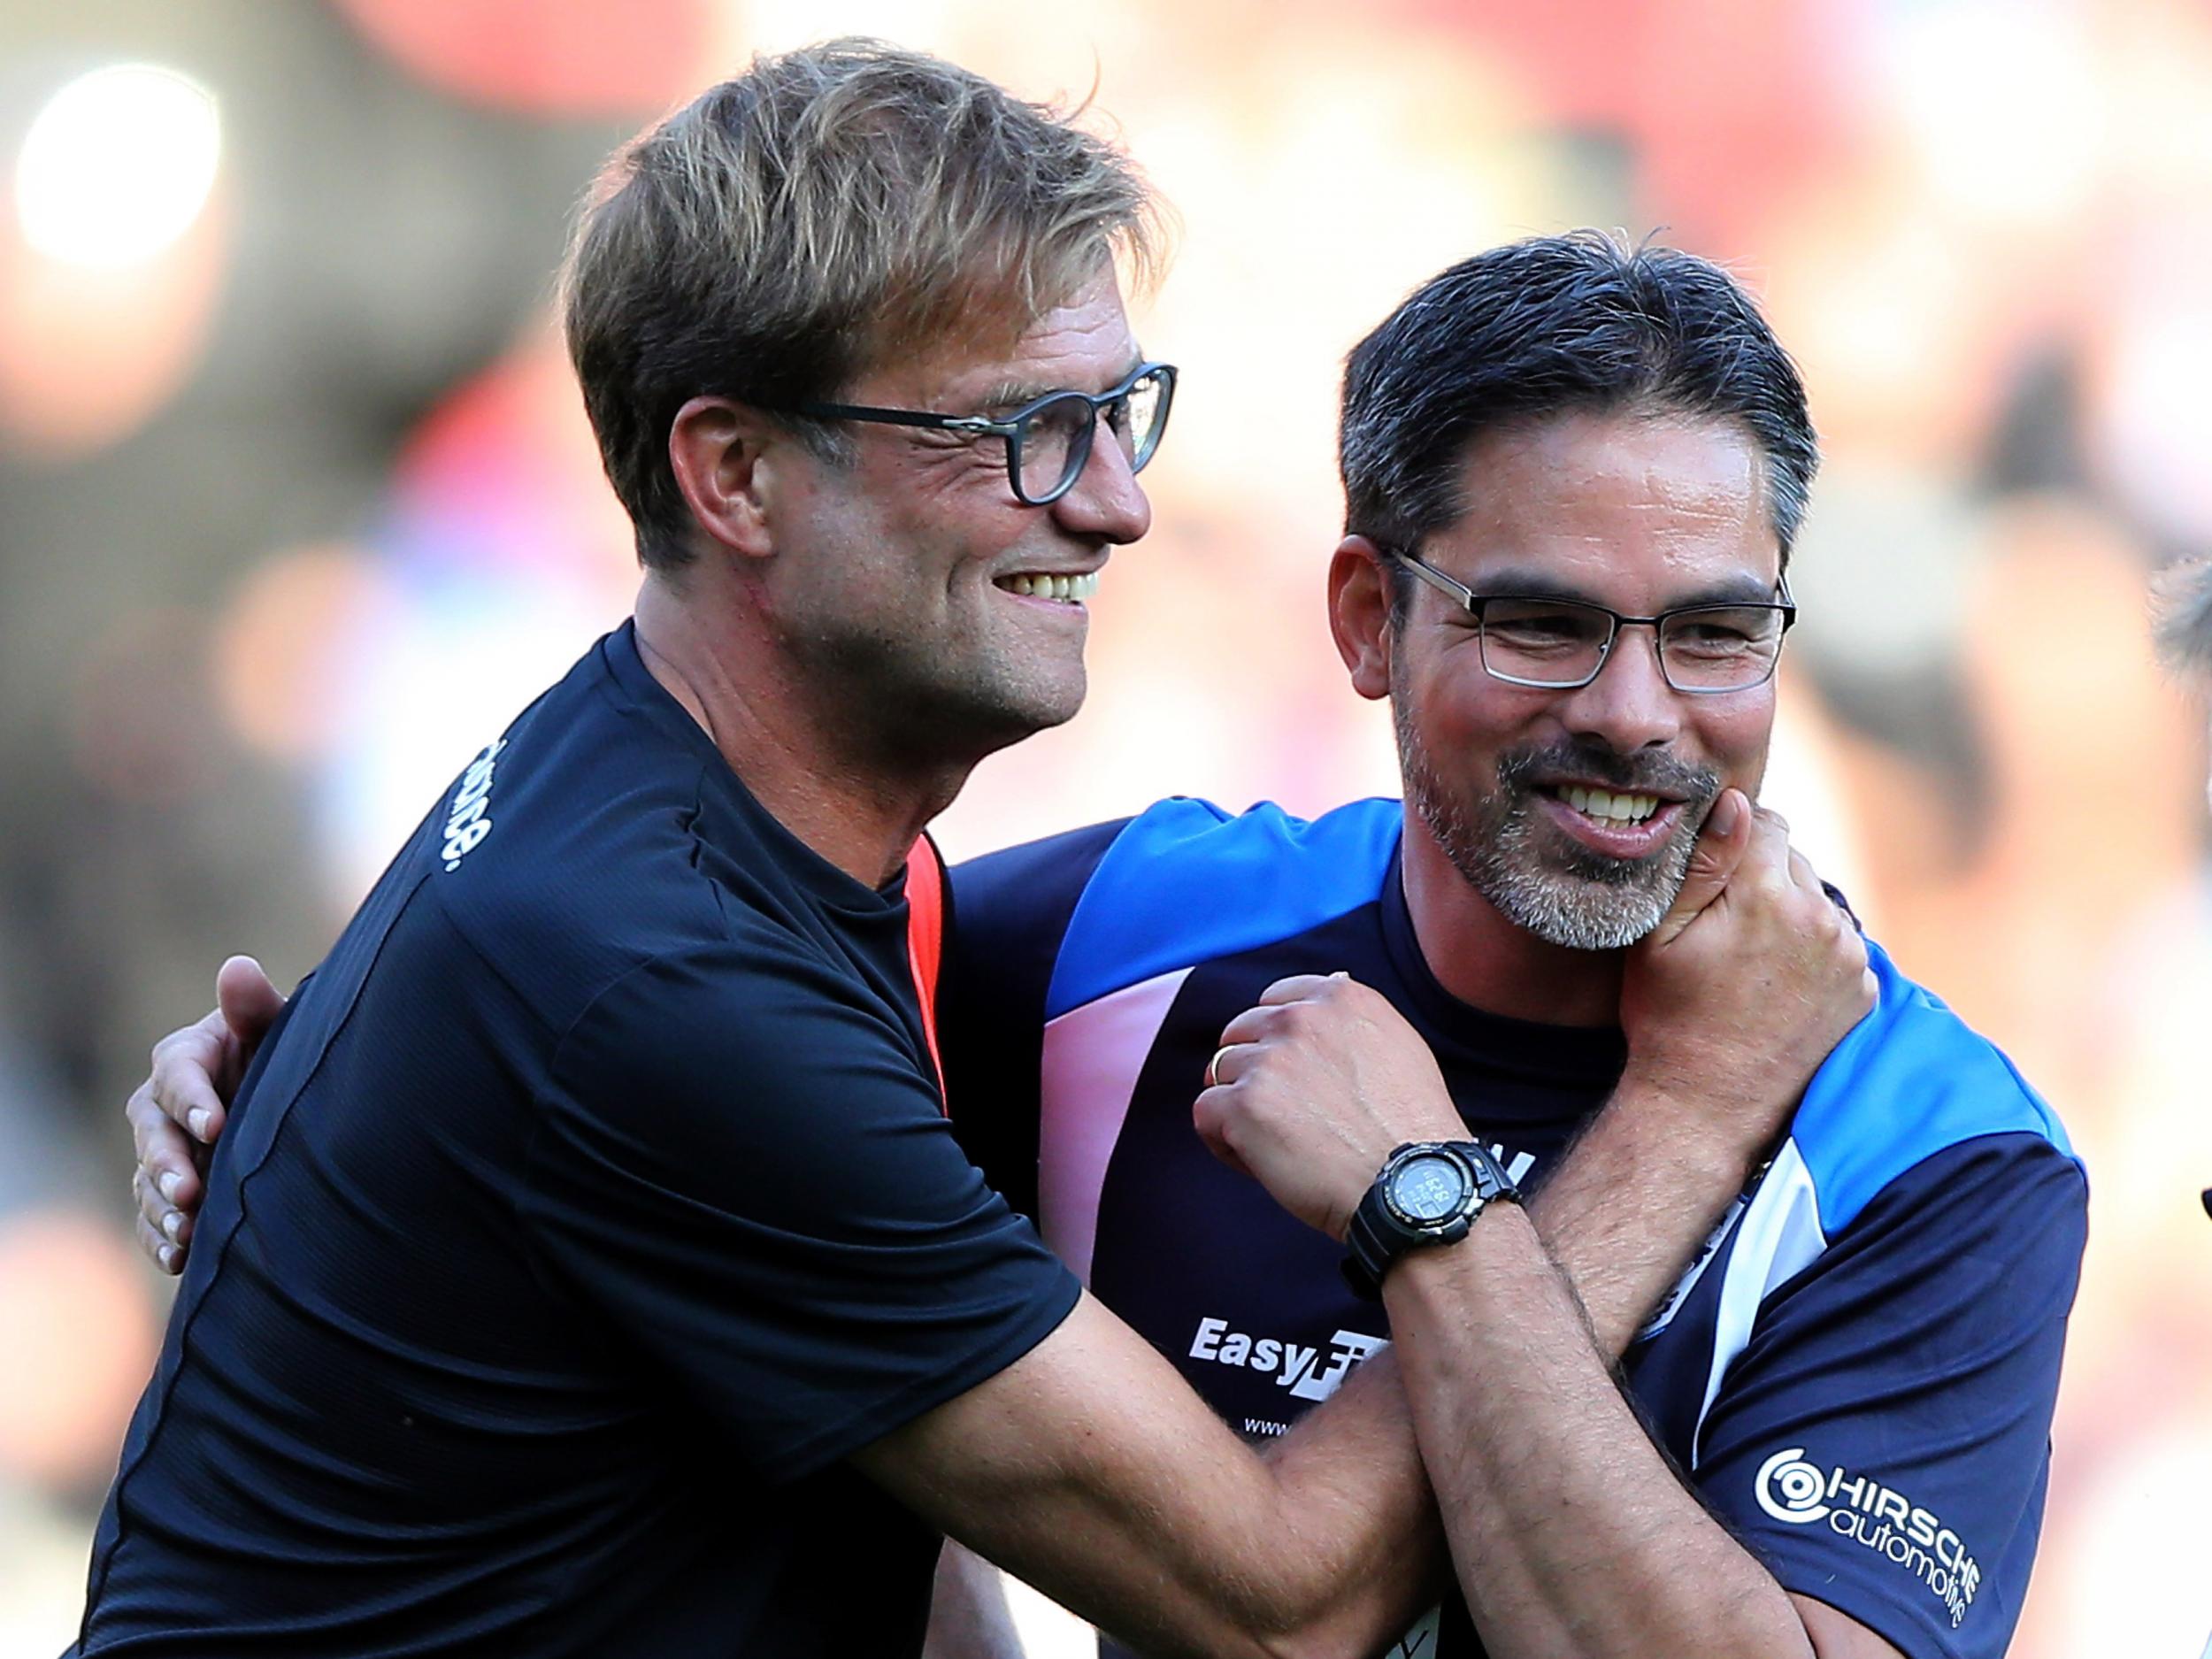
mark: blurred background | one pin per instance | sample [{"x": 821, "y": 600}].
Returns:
[{"x": 298, "y": 506}]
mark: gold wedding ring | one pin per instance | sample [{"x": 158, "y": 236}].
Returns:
[{"x": 1213, "y": 1066}]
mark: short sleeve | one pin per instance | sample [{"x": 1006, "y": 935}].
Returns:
[
  {"x": 1883, "y": 1441},
  {"x": 741, "y": 1167},
  {"x": 1008, "y": 915}
]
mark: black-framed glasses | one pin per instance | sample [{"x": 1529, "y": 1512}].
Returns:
[
  {"x": 1049, "y": 439},
  {"x": 1562, "y": 644}
]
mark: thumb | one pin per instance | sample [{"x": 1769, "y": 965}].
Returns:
[
  {"x": 250, "y": 1004},
  {"x": 1721, "y": 842}
]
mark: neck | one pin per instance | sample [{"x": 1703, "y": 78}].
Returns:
[
  {"x": 717, "y": 656},
  {"x": 1494, "y": 964}
]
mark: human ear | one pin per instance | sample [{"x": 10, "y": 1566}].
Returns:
[
  {"x": 1359, "y": 614},
  {"x": 717, "y": 450}
]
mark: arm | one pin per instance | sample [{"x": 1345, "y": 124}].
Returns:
[
  {"x": 1571, "y": 1532},
  {"x": 810, "y": 1260},
  {"x": 1088, "y": 1469},
  {"x": 1069, "y": 1524},
  {"x": 1086, "y": 1465},
  {"x": 1729, "y": 1006},
  {"x": 1540, "y": 1468}
]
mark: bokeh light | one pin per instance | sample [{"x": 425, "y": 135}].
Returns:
[
  {"x": 77, "y": 1325},
  {"x": 114, "y": 260},
  {"x": 548, "y": 57},
  {"x": 117, "y": 165}
]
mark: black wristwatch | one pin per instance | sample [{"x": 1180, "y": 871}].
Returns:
[{"x": 1429, "y": 1191}]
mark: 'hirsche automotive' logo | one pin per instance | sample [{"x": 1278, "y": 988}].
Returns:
[
  {"x": 1860, "y": 1508},
  {"x": 1306, "y": 1372}
]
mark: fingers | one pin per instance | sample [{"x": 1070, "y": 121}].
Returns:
[
  {"x": 156, "y": 1249},
  {"x": 179, "y": 1111},
  {"x": 1298, "y": 987},
  {"x": 1769, "y": 855},
  {"x": 166, "y": 1155},
  {"x": 183, "y": 1085},
  {"x": 1209, "y": 1115},
  {"x": 167, "y": 1182},
  {"x": 248, "y": 1002},
  {"x": 1721, "y": 844},
  {"x": 1267, "y": 1015},
  {"x": 153, "y": 1226}
]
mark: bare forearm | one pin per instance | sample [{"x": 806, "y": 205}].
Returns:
[
  {"x": 1571, "y": 1535},
  {"x": 1133, "y": 1505},
  {"x": 1629, "y": 1208}
]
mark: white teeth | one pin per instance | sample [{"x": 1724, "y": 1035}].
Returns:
[
  {"x": 1071, "y": 590},
  {"x": 1621, "y": 809}
]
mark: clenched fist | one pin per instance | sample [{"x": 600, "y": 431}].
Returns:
[
  {"x": 1313, "y": 1087},
  {"x": 1735, "y": 999}
]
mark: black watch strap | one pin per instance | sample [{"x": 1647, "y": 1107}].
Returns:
[{"x": 1384, "y": 1228}]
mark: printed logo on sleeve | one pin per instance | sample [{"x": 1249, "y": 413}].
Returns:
[
  {"x": 1861, "y": 1509},
  {"x": 469, "y": 819}
]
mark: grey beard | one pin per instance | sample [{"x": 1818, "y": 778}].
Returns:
[{"x": 1565, "y": 895}]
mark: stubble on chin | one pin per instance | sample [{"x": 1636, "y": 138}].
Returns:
[{"x": 1563, "y": 893}]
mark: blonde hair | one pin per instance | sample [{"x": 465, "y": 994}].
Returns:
[{"x": 831, "y": 209}]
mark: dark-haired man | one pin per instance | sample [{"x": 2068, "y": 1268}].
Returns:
[
  {"x": 1574, "y": 474},
  {"x": 588, "y": 1268}
]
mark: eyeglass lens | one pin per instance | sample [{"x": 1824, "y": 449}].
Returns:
[
  {"x": 1055, "y": 437},
  {"x": 1713, "y": 647}
]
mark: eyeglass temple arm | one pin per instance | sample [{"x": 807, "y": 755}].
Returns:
[
  {"x": 905, "y": 418},
  {"x": 1436, "y": 578}
]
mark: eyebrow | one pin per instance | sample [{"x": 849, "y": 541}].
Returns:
[
  {"x": 1013, "y": 394},
  {"x": 1519, "y": 582}
]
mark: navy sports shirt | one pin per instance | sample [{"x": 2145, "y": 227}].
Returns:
[
  {"x": 593, "y": 1201},
  {"x": 1858, "y": 1376}
]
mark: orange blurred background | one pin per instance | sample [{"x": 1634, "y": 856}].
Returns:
[{"x": 298, "y": 506}]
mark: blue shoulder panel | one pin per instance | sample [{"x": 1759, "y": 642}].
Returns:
[
  {"x": 1186, "y": 882},
  {"x": 1910, "y": 1079}
]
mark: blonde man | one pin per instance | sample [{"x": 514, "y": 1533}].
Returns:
[{"x": 587, "y": 1267}]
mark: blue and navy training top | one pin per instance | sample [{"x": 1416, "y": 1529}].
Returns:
[
  {"x": 1857, "y": 1376},
  {"x": 592, "y": 1202}
]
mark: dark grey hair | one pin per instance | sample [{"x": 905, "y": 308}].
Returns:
[{"x": 1546, "y": 327}]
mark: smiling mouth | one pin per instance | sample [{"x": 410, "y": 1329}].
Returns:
[
  {"x": 1613, "y": 809},
  {"x": 1038, "y": 585}
]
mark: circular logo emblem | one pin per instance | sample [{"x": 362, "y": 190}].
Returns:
[{"x": 1790, "y": 1488}]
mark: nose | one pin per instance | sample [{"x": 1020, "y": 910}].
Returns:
[
  {"x": 1629, "y": 705},
  {"x": 1105, "y": 503}
]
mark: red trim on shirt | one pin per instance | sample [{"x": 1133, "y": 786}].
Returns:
[{"x": 925, "y": 942}]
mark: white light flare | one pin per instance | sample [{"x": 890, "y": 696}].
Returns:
[{"x": 118, "y": 166}]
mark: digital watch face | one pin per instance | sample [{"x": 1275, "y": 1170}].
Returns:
[{"x": 1427, "y": 1190}]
